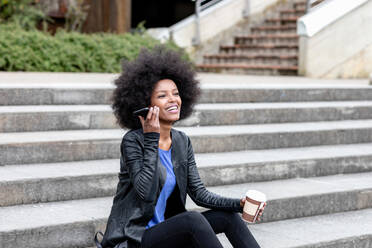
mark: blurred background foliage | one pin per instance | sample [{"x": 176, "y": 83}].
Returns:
[
  {"x": 23, "y": 50},
  {"x": 25, "y": 44},
  {"x": 76, "y": 16},
  {"x": 24, "y": 13}
]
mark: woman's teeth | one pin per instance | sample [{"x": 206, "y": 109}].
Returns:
[{"x": 172, "y": 108}]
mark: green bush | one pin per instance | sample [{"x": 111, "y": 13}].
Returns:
[
  {"x": 24, "y": 13},
  {"x": 34, "y": 50}
]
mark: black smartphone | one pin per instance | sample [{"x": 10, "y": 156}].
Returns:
[{"x": 142, "y": 112}]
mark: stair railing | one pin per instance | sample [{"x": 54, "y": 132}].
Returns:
[
  {"x": 201, "y": 5},
  {"x": 311, "y": 4}
]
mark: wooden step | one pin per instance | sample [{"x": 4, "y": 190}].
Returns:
[
  {"x": 299, "y": 5},
  {"x": 270, "y": 59},
  {"x": 290, "y": 13},
  {"x": 260, "y": 30},
  {"x": 249, "y": 69},
  {"x": 272, "y": 49},
  {"x": 282, "y": 39},
  {"x": 282, "y": 21}
]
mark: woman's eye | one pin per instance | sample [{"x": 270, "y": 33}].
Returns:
[
  {"x": 176, "y": 93},
  {"x": 161, "y": 96}
]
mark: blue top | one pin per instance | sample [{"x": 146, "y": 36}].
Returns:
[{"x": 166, "y": 191}]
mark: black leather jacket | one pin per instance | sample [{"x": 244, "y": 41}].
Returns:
[{"x": 141, "y": 178}]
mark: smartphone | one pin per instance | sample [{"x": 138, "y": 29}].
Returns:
[{"x": 142, "y": 112}]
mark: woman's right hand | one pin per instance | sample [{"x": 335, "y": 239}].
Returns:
[{"x": 151, "y": 124}]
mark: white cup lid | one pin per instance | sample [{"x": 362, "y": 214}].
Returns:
[{"x": 256, "y": 195}]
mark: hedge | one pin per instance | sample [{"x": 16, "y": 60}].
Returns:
[{"x": 35, "y": 50}]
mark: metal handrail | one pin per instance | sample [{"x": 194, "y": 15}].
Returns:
[
  {"x": 207, "y": 3},
  {"x": 201, "y": 5},
  {"x": 311, "y": 4}
]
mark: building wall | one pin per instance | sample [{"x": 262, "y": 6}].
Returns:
[
  {"x": 342, "y": 49},
  {"x": 101, "y": 15},
  {"x": 357, "y": 66},
  {"x": 108, "y": 16}
]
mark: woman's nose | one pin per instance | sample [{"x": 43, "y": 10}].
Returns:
[{"x": 171, "y": 98}]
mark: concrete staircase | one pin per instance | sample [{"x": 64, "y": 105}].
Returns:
[
  {"x": 308, "y": 147},
  {"x": 270, "y": 48}
]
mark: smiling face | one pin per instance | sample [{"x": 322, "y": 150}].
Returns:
[{"x": 165, "y": 95}]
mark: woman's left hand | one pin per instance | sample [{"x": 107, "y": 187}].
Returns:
[{"x": 242, "y": 201}]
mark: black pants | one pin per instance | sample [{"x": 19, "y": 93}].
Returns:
[{"x": 194, "y": 229}]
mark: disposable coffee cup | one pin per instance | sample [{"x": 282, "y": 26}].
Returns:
[{"x": 254, "y": 201}]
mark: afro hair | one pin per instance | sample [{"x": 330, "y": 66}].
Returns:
[{"x": 136, "y": 83}]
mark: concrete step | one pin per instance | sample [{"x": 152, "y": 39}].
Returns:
[
  {"x": 59, "y": 146},
  {"x": 302, "y": 197},
  {"x": 277, "y": 39},
  {"x": 270, "y": 136},
  {"x": 35, "y": 183},
  {"x": 260, "y": 30},
  {"x": 75, "y": 221},
  {"x": 264, "y": 49},
  {"x": 259, "y": 113},
  {"x": 273, "y": 164},
  {"x": 300, "y": 91},
  {"x": 54, "y": 93},
  {"x": 248, "y": 89},
  {"x": 54, "y": 79},
  {"x": 55, "y": 117},
  {"x": 324, "y": 231},
  {"x": 53, "y": 225},
  {"x": 80, "y": 117},
  {"x": 252, "y": 69},
  {"x": 64, "y": 146},
  {"x": 282, "y": 60}
]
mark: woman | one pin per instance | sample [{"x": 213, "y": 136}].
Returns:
[{"x": 157, "y": 166}]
